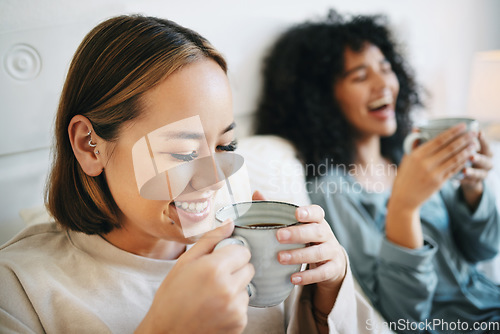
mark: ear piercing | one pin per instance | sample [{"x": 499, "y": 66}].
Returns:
[{"x": 91, "y": 144}]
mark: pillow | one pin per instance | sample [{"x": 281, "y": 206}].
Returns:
[{"x": 274, "y": 169}]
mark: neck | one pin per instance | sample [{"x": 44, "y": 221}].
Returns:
[
  {"x": 368, "y": 151},
  {"x": 145, "y": 245}
]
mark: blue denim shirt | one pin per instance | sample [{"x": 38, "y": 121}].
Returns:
[{"x": 437, "y": 281}]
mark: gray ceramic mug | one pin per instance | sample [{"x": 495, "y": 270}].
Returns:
[
  {"x": 433, "y": 128},
  {"x": 256, "y": 224}
]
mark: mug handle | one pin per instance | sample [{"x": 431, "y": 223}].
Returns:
[
  {"x": 237, "y": 240},
  {"x": 410, "y": 141},
  {"x": 234, "y": 240}
]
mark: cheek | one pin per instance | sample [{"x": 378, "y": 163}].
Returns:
[
  {"x": 394, "y": 84},
  {"x": 351, "y": 103},
  {"x": 122, "y": 182}
]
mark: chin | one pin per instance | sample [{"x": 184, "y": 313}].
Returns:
[
  {"x": 388, "y": 133},
  {"x": 389, "y": 130}
]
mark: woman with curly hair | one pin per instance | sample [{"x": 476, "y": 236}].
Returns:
[{"x": 341, "y": 92}]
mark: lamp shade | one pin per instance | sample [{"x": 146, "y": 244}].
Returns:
[{"x": 484, "y": 91}]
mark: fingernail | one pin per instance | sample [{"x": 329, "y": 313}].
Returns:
[
  {"x": 283, "y": 235},
  {"x": 285, "y": 257},
  {"x": 296, "y": 279},
  {"x": 302, "y": 213}
]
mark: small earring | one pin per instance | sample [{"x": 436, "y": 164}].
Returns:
[
  {"x": 89, "y": 133},
  {"x": 91, "y": 144},
  {"x": 96, "y": 152}
]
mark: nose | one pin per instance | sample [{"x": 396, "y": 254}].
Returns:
[
  {"x": 380, "y": 81},
  {"x": 215, "y": 169},
  {"x": 204, "y": 182},
  {"x": 211, "y": 173}
]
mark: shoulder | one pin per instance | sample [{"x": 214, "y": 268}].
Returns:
[
  {"x": 31, "y": 234},
  {"x": 32, "y": 243}
]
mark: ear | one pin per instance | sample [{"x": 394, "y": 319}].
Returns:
[{"x": 88, "y": 157}]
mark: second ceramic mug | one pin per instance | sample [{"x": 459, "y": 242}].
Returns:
[
  {"x": 256, "y": 224},
  {"x": 433, "y": 128}
]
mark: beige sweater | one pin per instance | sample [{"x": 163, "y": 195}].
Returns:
[{"x": 57, "y": 281}]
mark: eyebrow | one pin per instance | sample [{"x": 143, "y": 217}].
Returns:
[
  {"x": 193, "y": 135},
  {"x": 183, "y": 135},
  {"x": 362, "y": 67},
  {"x": 229, "y": 128}
]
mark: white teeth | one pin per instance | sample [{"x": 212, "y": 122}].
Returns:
[
  {"x": 193, "y": 207},
  {"x": 380, "y": 102}
]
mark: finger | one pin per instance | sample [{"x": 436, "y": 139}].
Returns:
[
  {"x": 310, "y": 213},
  {"x": 475, "y": 175},
  {"x": 241, "y": 302},
  {"x": 257, "y": 196},
  {"x": 304, "y": 233},
  {"x": 459, "y": 144},
  {"x": 311, "y": 254},
  {"x": 327, "y": 271},
  {"x": 243, "y": 276},
  {"x": 208, "y": 241},
  {"x": 485, "y": 146},
  {"x": 480, "y": 161},
  {"x": 442, "y": 140},
  {"x": 455, "y": 163},
  {"x": 231, "y": 257}
]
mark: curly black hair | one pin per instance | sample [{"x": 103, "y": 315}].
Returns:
[{"x": 297, "y": 100}]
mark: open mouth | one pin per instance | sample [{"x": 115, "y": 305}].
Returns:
[
  {"x": 382, "y": 107},
  {"x": 192, "y": 207},
  {"x": 192, "y": 211}
]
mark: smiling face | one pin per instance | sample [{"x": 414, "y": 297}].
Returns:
[
  {"x": 367, "y": 92},
  {"x": 188, "y": 116}
]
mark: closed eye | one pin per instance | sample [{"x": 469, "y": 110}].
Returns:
[
  {"x": 229, "y": 147},
  {"x": 359, "y": 75},
  {"x": 386, "y": 66},
  {"x": 185, "y": 157}
]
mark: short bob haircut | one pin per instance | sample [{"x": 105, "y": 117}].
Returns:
[
  {"x": 116, "y": 63},
  {"x": 297, "y": 100}
]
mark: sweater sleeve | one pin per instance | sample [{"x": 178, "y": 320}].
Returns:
[
  {"x": 477, "y": 233},
  {"x": 17, "y": 314},
  {"x": 400, "y": 282},
  {"x": 351, "y": 313}
]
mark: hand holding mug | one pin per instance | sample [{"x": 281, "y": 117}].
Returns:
[
  {"x": 205, "y": 285},
  {"x": 474, "y": 175},
  {"x": 424, "y": 170},
  {"x": 325, "y": 256}
]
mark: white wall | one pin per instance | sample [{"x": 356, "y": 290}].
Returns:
[{"x": 440, "y": 37}]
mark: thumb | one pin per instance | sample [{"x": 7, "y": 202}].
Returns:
[
  {"x": 257, "y": 196},
  {"x": 207, "y": 243}
]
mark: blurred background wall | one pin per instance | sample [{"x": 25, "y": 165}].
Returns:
[{"x": 38, "y": 38}]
